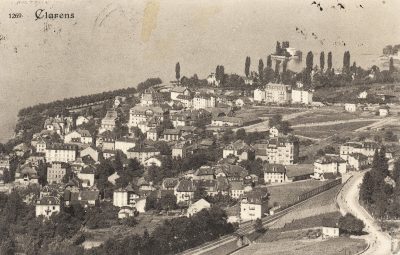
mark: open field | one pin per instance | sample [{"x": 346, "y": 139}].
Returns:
[
  {"x": 312, "y": 221},
  {"x": 321, "y": 204},
  {"x": 323, "y": 132},
  {"x": 265, "y": 111},
  {"x": 323, "y": 115},
  {"x": 287, "y": 193},
  {"x": 335, "y": 246}
]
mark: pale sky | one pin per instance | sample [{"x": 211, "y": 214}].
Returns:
[{"x": 113, "y": 44}]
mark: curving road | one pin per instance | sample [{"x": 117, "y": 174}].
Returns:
[{"x": 379, "y": 242}]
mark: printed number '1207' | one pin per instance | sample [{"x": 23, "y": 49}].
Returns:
[{"x": 15, "y": 15}]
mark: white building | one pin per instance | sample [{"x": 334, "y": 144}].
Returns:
[
  {"x": 279, "y": 150},
  {"x": 330, "y": 232},
  {"x": 365, "y": 148},
  {"x": 212, "y": 80},
  {"x": 236, "y": 189},
  {"x": 197, "y": 207},
  {"x": 141, "y": 114},
  {"x": 86, "y": 175},
  {"x": 350, "y": 107},
  {"x": 109, "y": 121},
  {"x": 384, "y": 111},
  {"x": 253, "y": 205},
  {"x": 274, "y": 173},
  {"x": 61, "y": 152},
  {"x": 47, "y": 206},
  {"x": 79, "y": 136},
  {"x": 81, "y": 120},
  {"x": 184, "y": 192},
  {"x": 124, "y": 144},
  {"x": 125, "y": 197},
  {"x": 126, "y": 212},
  {"x": 92, "y": 152},
  {"x": 259, "y": 95},
  {"x": 179, "y": 91},
  {"x": 363, "y": 95},
  {"x": 274, "y": 93},
  {"x": 300, "y": 96},
  {"x": 203, "y": 101},
  {"x": 238, "y": 149},
  {"x": 329, "y": 164},
  {"x": 273, "y": 132},
  {"x": 56, "y": 172}
]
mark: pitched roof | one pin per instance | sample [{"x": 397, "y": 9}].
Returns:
[
  {"x": 170, "y": 183},
  {"x": 48, "y": 201},
  {"x": 329, "y": 159},
  {"x": 255, "y": 196},
  {"x": 204, "y": 170},
  {"x": 172, "y": 131},
  {"x": 178, "y": 89},
  {"x": 231, "y": 170},
  {"x": 89, "y": 195},
  {"x": 237, "y": 186},
  {"x": 299, "y": 170},
  {"x": 186, "y": 186},
  {"x": 60, "y": 146},
  {"x": 239, "y": 145},
  {"x": 274, "y": 168}
]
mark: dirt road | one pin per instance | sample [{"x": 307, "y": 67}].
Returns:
[{"x": 379, "y": 242}]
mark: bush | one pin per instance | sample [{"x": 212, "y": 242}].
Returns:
[{"x": 350, "y": 224}]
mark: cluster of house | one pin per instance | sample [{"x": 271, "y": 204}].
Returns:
[
  {"x": 381, "y": 110},
  {"x": 353, "y": 156},
  {"x": 76, "y": 150}
]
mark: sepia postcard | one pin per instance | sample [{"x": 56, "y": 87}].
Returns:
[{"x": 213, "y": 127}]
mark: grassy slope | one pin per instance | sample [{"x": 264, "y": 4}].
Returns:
[{"x": 287, "y": 193}]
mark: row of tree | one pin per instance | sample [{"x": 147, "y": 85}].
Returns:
[
  {"x": 380, "y": 190},
  {"x": 173, "y": 236}
]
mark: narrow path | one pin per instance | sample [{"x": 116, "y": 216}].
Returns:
[
  {"x": 348, "y": 201},
  {"x": 333, "y": 122}
]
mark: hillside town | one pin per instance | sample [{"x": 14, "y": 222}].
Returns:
[{"x": 167, "y": 150}]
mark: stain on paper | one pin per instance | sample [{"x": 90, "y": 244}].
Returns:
[{"x": 149, "y": 22}]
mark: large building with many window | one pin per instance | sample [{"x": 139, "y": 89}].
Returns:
[
  {"x": 61, "y": 152},
  {"x": 273, "y": 93},
  {"x": 56, "y": 172},
  {"x": 279, "y": 150}
]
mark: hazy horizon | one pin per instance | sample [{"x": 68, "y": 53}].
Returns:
[{"x": 116, "y": 44}]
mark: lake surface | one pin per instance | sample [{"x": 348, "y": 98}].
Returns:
[{"x": 116, "y": 44}]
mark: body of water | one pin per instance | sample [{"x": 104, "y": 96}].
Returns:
[{"x": 115, "y": 44}]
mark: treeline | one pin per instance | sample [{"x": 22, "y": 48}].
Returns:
[
  {"x": 59, "y": 106},
  {"x": 173, "y": 236},
  {"x": 391, "y": 49},
  {"x": 380, "y": 190}
]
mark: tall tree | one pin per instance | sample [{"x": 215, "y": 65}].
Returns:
[
  {"x": 322, "y": 60},
  {"x": 269, "y": 61},
  {"x": 220, "y": 74},
  {"x": 260, "y": 68},
  {"x": 391, "y": 65},
  {"x": 346, "y": 61},
  {"x": 277, "y": 66},
  {"x": 278, "y": 49},
  {"x": 329, "y": 62},
  {"x": 310, "y": 61},
  {"x": 284, "y": 66},
  {"x": 247, "y": 66},
  {"x": 177, "y": 71}
]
